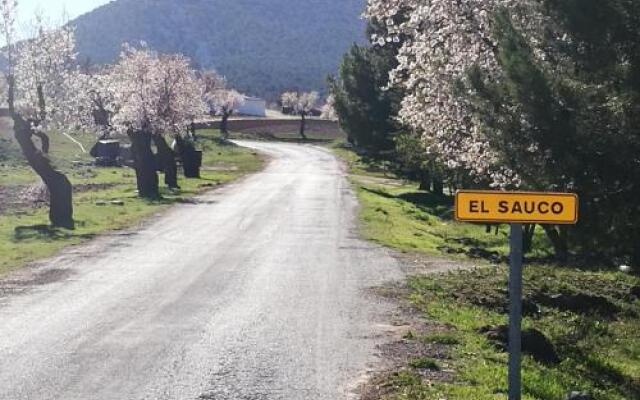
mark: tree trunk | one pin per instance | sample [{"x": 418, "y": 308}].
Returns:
[
  {"x": 438, "y": 186},
  {"x": 193, "y": 131},
  {"x": 425, "y": 180},
  {"x": 168, "y": 159},
  {"x": 191, "y": 158},
  {"x": 224, "y": 126},
  {"x": 529, "y": 230},
  {"x": 144, "y": 164},
  {"x": 60, "y": 189},
  {"x": 635, "y": 260},
  {"x": 559, "y": 242},
  {"x": 303, "y": 124}
]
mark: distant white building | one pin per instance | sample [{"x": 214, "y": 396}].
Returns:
[{"x": 253, "y": 106}]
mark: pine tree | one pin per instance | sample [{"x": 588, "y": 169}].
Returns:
[{"x": 572, "y": 122}]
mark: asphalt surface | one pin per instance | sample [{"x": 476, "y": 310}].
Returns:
[{"x": 259, "y": 291}]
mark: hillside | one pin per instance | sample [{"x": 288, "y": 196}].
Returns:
[{"x": 262, "y": 46}]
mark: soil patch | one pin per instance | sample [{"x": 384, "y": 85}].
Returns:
[
  {"x": 410, "y": 348},
  {"x": 92, "y": 187},
  {"x": 13, "y": 198},
  {"x": 421, "y": 264},
  {"x": 27, "y": 279}
]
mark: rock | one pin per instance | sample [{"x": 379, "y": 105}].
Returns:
[
  {"x": 579, "y": 396},
  {"x": 497, "y": 335},
  {"x": 488, "y": 302},
  {"x": 539, "y": 347},
  {"x": 117, "y": 202},
  {"x": 530, "y": 308},
  {"x": 534, "y": 343},
  {"x": 579, "y": 303},
  {"x": 476, "y": 252},
  {"x": 500, "y": 304}
]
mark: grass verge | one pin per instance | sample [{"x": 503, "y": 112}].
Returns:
[
  {"x": 105, "y": 198},
  {"x": 284, "y": 134},
  {"x": 590, "y": 317}
]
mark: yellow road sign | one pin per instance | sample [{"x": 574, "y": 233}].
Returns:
[{"x": 517, "y": 207}]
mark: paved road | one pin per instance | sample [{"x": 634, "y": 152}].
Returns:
[{"x": 258, "y": 292}]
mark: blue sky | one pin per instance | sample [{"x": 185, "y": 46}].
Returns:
[{"x": 54, "y": 8}]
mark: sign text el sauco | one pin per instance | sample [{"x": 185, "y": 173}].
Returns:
[{"x": 516, "y": 207}]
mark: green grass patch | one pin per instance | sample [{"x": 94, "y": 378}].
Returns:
[
  {"x": 449, "y": 339},
  {"x": 25, "y": 236},
  {"x": 600, "y": 355},
  {"x": 400, "y": 216},
  {"x": 396, "y": 214},
  {"x": 360, "y": 166},
  {"x": 64, "y": 153}
]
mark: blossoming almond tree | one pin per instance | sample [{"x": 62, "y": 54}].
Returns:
[
  {"x": 288, "y": 99},
  {"x": 302, "y": 104},
  {"x": 97, "y": 99},
  {"x": 40, "y": 98},
  {"x": 441, "y": 41},
  {"x": 329, "y": 110},
  {"x": 155, "y": 95},
  {"x": 496, "y": 87},
  {"x": 220, "y": 99},
  {"x": 179, "y": 103}
]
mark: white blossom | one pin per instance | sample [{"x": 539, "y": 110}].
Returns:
[
  {"x": 328, "y": 110},
  {"x": 219, "y": 98},
  {"x": 300, "y": 103},
  {"x": 443, "y": 39},
  {"x": 42, "y": 69},
  {"x": 155, "y": 93}
]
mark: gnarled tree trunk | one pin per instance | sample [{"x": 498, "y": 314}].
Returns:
[
  {"x": 193, "y": 132},
  {"x": 303, "y": 125},
  {"x": 425, "y": 180},
  {"x": 144, "y": 164},
  {"x": 224, "y": 125},
  {"x": 558, "y": 237},
  {"x": 438, "y": 186},
  {"x": 60, "y": 189},
  {"x": 191, "y": 158},
  {"x": 168, "y": 159}
]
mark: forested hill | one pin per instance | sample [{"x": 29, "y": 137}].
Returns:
[{"x": 262, "y": 46}]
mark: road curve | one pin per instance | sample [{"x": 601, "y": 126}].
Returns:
[{"x": 256, "y": 292}]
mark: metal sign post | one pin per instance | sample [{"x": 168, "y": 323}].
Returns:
[
  {"x": 516, "y": 208},
  {"x": 515, "y": 312}
]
